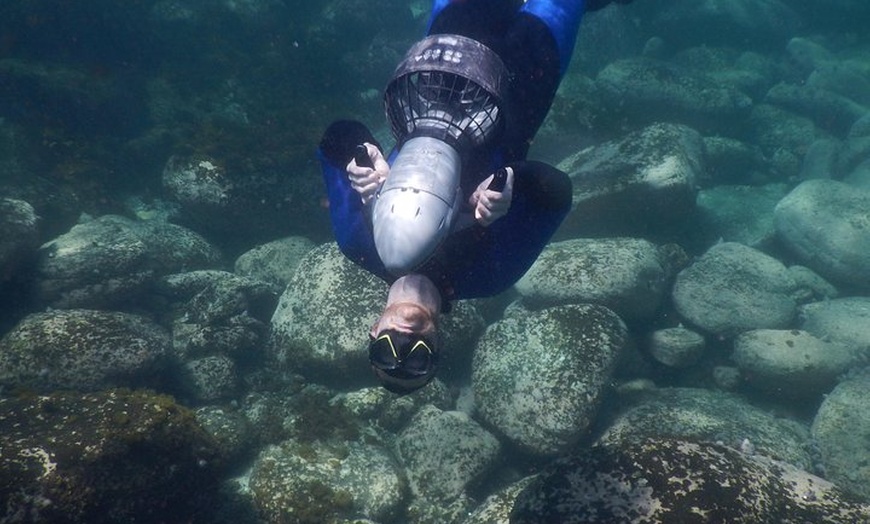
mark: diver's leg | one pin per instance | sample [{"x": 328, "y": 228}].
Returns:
[{"x": 562, "y": 18}]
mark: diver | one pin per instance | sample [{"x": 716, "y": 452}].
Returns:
[{"x": 456, "y": 211}]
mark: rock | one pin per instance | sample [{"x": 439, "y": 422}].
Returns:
[
  {"x": 860, "y": 176},
  {"x": 496, "y": 509},
  {"x": 219, "y": 313},
  {"x": 830, "y": 111},
  {"x": 230, "y": 430},
  {"x": 784, "y": 137},
  {"x": 826, "y": 225},
  {"x": 764, "y": 25},
  {"x": 322, "y": 321},
  {"x": 562, "y": 358},
  {"x": 211, "y": 378},
  {"x": 274, "y": 262},
  {"x": 699, "y": 414},
  {"x": 233, "y": 204},
  {"x": 811, "y": 286},
  {"x": 83, "y": 350},
  {"x": 742, "y": 214},
  {"x": 841, "y": 429},
  {"x": 730, "y": 161},
  {"x": 111, "y": 260},
  {"x": 680, "y": 481},
  {"x": 627, "y": 275},
  {"x": 676, "y": 347},
  {"x": 445, "y": 452},
  {"x": 733, "y": 288},
  {"x": 318, "y": 482},
  {"x": 820, "y": 160},
  {"x": 845, "y": 321},
  {"x": 642, "y": 91},
  {"x": 626, "y": 187},
  {"x": 111, "y": 456},
  {"x": 19, "y": 224},
  {"x": 790, "y": 364}
]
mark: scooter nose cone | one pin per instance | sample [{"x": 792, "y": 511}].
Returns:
[{"x": 408, "y": 226}]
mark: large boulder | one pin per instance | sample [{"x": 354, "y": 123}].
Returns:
[
  {"x": 444, "y": 453},
  {"x": 845, "y": 321},
  {"x": 733, "y": 288},
  {"x": 112, "y": 261},
  {"x": 759, "y": 24},
  {"x": 627, "y": 275},
  {"x": 826, "y": 225},
  {"x": 561, "y": 357},
  {"x": 716, "y": 416},
  {"x": 643, "y": 90},
  {"x": 630, "y": 185},
  {"x": 322, "y": 321},
  {"x": 790, "y": 364},
  {"x": 84, "y": 350},
  {"x": 320, "y": 482},
  {"x": 111, "y": 456},
  {"x": 742, "y": 214},
  {"x": 274, "y": 262},
  {"x": 841, "y": 430},
  {"x": 665, "y": 481}
]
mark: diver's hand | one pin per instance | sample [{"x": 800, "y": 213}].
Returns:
[
  {"x": 367, "y": 180},
  {"x": 491, "y": 205}
]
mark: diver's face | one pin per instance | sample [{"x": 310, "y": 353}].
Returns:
[
  {"x": 401, "y": 351},
  {"x": 405, "y": 317}
]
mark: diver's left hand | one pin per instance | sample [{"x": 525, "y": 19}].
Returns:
[{"x": 491, "y": 205}]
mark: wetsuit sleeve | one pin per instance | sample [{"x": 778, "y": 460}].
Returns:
[
  {"x": 482, "y": 262},
  {"x": 350, "y": 220},
  {"x": 562, "y": 18}
]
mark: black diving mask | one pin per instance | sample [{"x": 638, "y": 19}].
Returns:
[{"x": 403, "y": 361}]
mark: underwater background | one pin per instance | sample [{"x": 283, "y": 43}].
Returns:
[{"x": 182, "y": 341}]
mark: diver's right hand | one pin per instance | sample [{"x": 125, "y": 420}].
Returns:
[{"x": 366, "y": 180}]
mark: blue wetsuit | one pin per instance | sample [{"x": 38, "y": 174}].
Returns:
[{"x": 535, "y": 40}]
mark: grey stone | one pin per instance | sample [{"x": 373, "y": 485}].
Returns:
[
  {"x": 860, "y": 176},
  {"x": 642, "y": 91},
  {"x": 627, "y": 275},
  {"x": 83, "y": 350},
  {"x": 730, "y": 161},
  {"x": 444, "y": 452},
  {"x": 663, "y": 481},
  {"x": 733, "y": 288},
  {"x": 716, "y": 416},
  {"x": 111, "y": 260},
  {"x": 820, "y": 160},
  {"x": 274, "y": 262},
  {"x": 783, "y": 136},
  {"x": 742, "y": 214},
  {"x": 811, "y": 286},
  {"x": 211, "y": 378},
  {"x": 322, "y": 321},
  {"x": 230, "y": 430},
  {"x": 676, "y": 347},
  {"x": 842, "y": 320},
  {"x": 790, "y": 364},
  {"x": 109, "y": 456},
  {"x": 825, "y": 223},
  {"x": 758, "y": 24},
  {"x": 496, "y": 509},
  {"x": 20, "y": 238},
  {"x": 829, "y": 110},
  {"x": 841, "y": 430},
  {"x": 625, "y": 187},
  {"x": 562, "y": 358},
  {"x": 320, "y": 482}
]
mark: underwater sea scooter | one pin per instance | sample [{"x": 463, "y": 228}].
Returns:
[{"x": 442, "y": 102}]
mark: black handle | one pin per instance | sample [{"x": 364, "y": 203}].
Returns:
[
  {"x": 361, "y": 155},
  {"x": 499, "y": 179}
]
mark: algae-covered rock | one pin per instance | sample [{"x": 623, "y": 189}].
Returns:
[
  {"x": 107, "y": 457},
  {"x": 539, "y": 377},
  {"x": 699, "y": 414},
  {"x": 669, "y": 481},
  {"x": 84, "y": 350}
]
